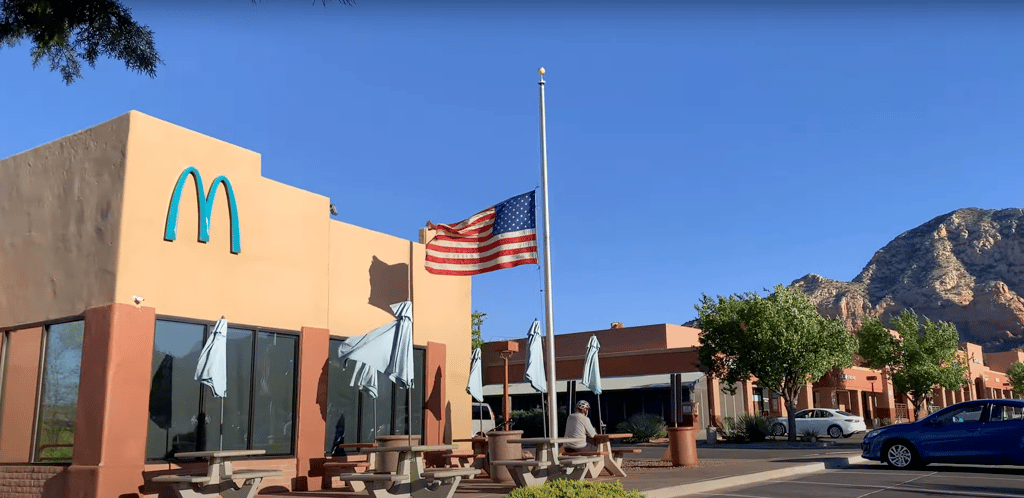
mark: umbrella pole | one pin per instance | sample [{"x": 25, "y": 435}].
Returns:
[
  {"x": 600, "y": 421},
  {"x": 544, "y": 413},
  {"x": 222, "y": 424},
  {"x": 408, "y": 422}
]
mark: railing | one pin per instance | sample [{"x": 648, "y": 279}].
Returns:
[{"x": 902, "y": 413}]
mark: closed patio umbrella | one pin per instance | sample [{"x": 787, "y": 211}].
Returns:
[
  {"x": 387, "y": 349},
  {"x": 535, "y": 364},
  {"x": 592, "y": 374},
  {"x": 475, "y": 387},
  {"x": 212, "y": 367}
]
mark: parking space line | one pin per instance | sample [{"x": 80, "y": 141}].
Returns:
[
  {"x": 918, "y": 488},
  {"x": 897, "y": 485}
]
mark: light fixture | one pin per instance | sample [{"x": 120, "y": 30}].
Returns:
[{"x": 138, "y": 300}]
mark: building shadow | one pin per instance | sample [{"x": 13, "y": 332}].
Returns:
[{"x": 389, "y": 284}]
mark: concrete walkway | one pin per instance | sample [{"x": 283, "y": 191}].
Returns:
[{"x": 721, "y": 466}]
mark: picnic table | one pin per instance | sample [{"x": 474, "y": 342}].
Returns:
[
  {"x": 611, "y": 459},
  {"x": 548, "y": 464},
  {"x": 411, "y": 479},
  {"x": 220, "y": 476},
  {"x": 476, "y": 455}
]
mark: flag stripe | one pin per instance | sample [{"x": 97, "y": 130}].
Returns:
[
  {"x": 483, "y": 246},
  {"x": 501, "y": 236},
  {"x": 469, "y": 258},
  {"x": 477, "y": 269}
]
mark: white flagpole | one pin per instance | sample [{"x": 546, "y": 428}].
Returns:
[{"x": 549, "y": 320}]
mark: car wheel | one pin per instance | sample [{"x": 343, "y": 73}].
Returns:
[
  {"x": 835, "y": 432},
  {"x": 900, "y": 455},
  {"x": 778, "y": 430}
]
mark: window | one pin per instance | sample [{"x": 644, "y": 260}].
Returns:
[
  {"x": 258, "y": 411},
  {"x": 1005, "y": 412},
  {"x": 970, "y": 413},
  {"x": 58, "y": 392},
  {"x": 354, "y": 417}
]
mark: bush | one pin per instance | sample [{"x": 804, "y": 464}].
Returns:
[
  {"x": 531, "y": 422},
  {"x": 644, "y": 427},
  {"x": 746, "y": 427},
  {"x": 565, "y": 488}
]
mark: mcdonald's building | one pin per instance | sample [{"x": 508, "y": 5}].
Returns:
[{"x": 123, "y": 244}]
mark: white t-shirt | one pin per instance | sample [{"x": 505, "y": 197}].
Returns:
[{"x": 578, "y": 426}]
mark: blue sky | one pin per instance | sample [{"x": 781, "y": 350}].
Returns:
[{"x": 692, "y": 149}]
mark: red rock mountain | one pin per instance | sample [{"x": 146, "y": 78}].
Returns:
[{"x": 965, "y": 267}]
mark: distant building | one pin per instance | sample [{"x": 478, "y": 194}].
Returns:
[{"x": 636, "y": 363}]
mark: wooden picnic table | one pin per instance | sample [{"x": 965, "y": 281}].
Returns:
[
  {"x": 220, "y": 476},
  {"x": 411, "y": 479}
]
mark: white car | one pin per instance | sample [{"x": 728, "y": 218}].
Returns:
[
  {"x": 483, "y": 418},
  {"x": 835, "y": 423}
]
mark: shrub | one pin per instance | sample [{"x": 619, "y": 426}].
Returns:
[
  {"x": 565, "y": 488},
  {"x": 756, "y": 426},
  {"x": 644, "y": 427},
  {"x": 746, "y": 427},
  {"x": 809, "y": 434},
  {"x": 531, "y": 422}
]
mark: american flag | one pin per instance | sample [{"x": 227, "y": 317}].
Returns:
[{"x": 501, "y": 236}]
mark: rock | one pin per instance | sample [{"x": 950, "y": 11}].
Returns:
[{"x": 964, "y": 267}]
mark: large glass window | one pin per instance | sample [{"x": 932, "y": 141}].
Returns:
[
  {"x": 58, "y": 397},
  {"x": 356, "y": 417},
  {"x": 258, "y": 411}
]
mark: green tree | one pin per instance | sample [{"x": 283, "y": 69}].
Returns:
[
  {"x": 917, "y": 358},
  {"x": 780, "y": 339},
  {"x": 1016, "y": 375},
  {"x": 67, "y": 32},
  {"x": 478, "y": 321}
]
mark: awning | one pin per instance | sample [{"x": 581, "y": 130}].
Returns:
[{"x": 656, "y": 381}]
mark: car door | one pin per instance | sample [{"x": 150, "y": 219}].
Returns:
[
  {"x": 1002, "y": 435},
  {"x": 819, "y": 422},
  {"x": 802, "y": 420},
  {"x": 952, "y": 436}
]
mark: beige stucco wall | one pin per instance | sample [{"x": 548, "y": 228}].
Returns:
[
  {"x": 60, "y": 218},
  {"x": 277, "y": 280},
  {"x": 369, "y": 271},
  {"x": 82, "y": 225}
]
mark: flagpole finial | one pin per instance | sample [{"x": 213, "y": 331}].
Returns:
[{"x": 541, "y": 73}]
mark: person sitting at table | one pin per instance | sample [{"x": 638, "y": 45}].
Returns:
[{"x": 578, "y": 426}]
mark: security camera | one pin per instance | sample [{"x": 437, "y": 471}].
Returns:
[
  {"x": 138, "y": 299},
  {"x": 334, "y": 210}
]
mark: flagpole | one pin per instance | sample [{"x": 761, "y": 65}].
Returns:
[{"x": 548, "y": 320}]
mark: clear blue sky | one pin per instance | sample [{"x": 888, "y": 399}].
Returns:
[{"x": 692, "y": 149}]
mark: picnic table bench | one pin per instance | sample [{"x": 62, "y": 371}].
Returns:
[
  {"x": 411, "y": 480},
  {"x": 359, "y": 462},
  {"x": 219, "y": 478},
  {"x": 548, "y": 465}
]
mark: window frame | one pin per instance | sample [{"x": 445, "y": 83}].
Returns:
[
  {"x": 40, "y": 380},
  {"x": 204, "y": 399}
]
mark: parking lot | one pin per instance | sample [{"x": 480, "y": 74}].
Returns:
[{"x": 878, "y": 481}]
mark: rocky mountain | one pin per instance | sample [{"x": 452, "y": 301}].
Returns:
[{"x": 965, "y": 267}]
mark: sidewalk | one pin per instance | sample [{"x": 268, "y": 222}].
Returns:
[{"x": 657, "y": 479}]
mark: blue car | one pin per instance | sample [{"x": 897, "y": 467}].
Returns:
[{"x": 985, "y": 431}]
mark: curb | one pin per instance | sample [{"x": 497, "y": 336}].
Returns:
[{"x": 729, "y": 482}]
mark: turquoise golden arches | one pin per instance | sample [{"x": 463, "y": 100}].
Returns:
[{"x": 205, "y": 201}]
